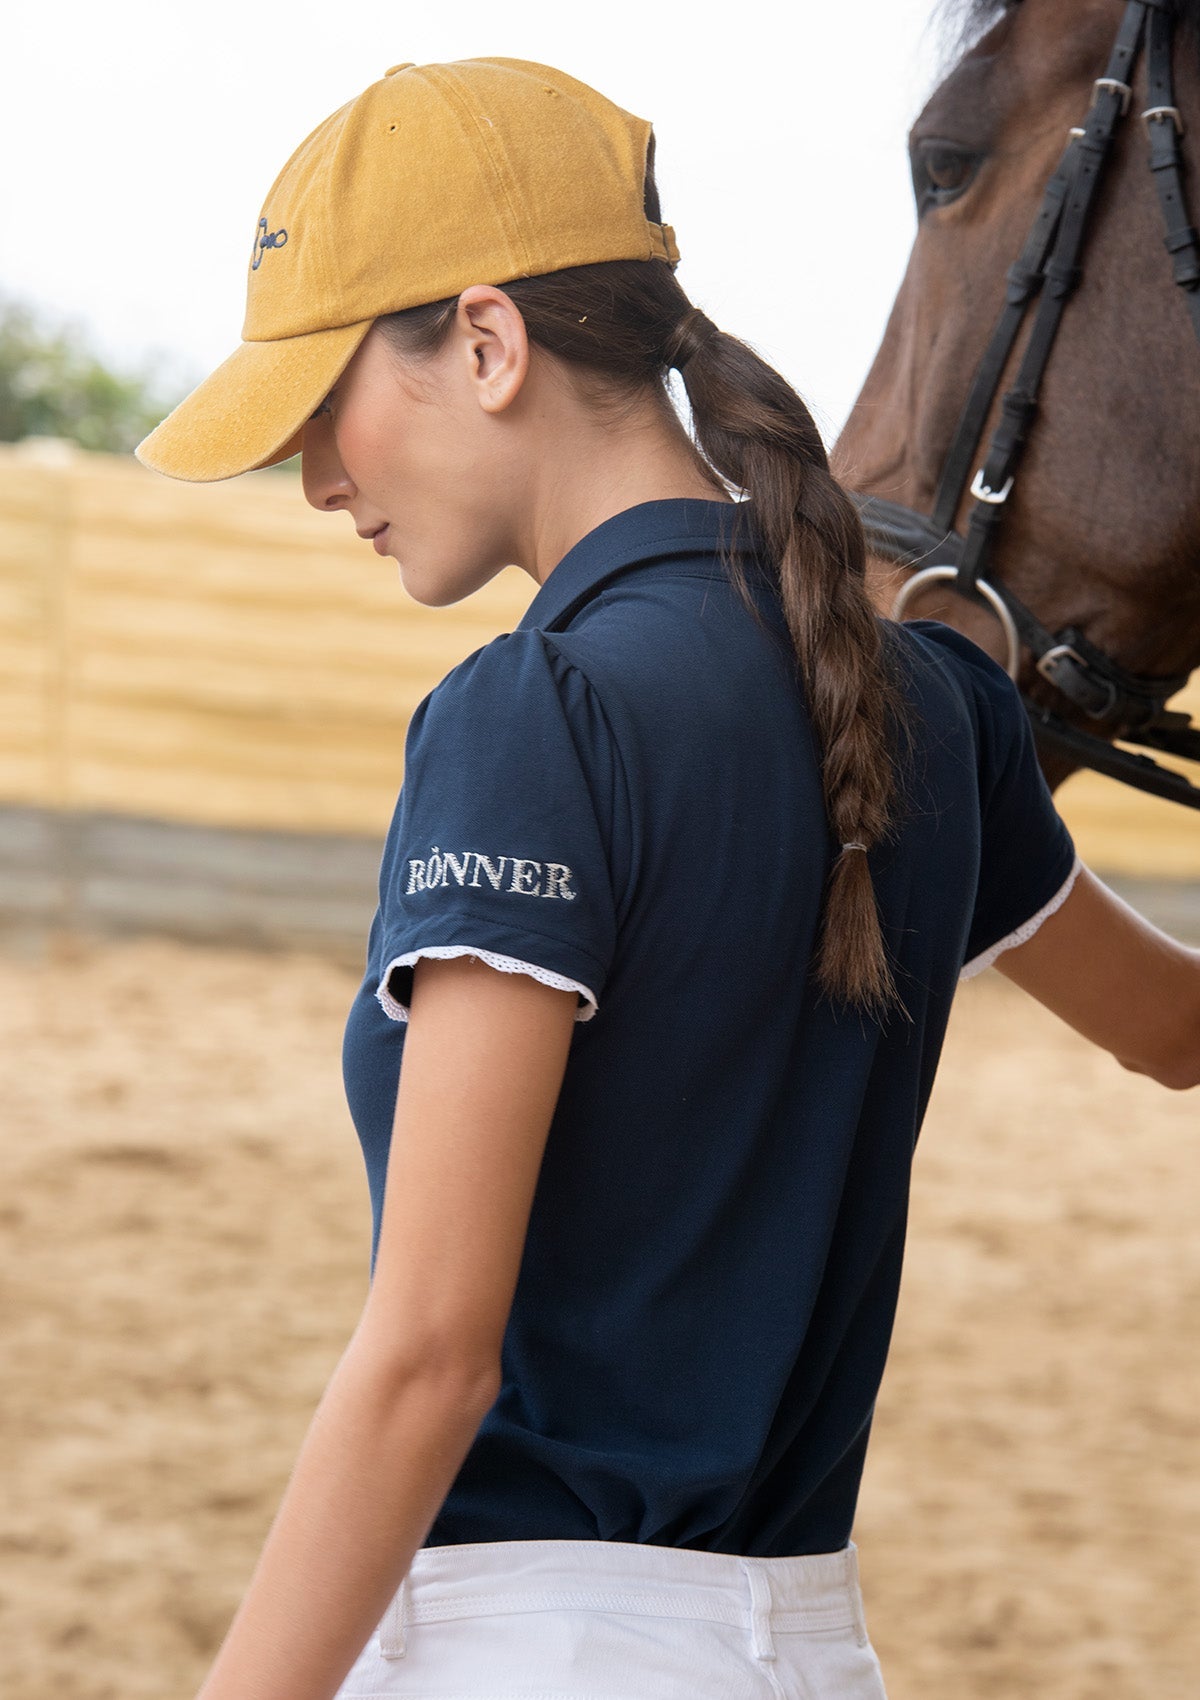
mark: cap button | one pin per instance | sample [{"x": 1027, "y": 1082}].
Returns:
[{"x": 408, "y": 65}]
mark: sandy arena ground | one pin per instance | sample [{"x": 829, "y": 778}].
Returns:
[{"x": 186, "y": 1235}]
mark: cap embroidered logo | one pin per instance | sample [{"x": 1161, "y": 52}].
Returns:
[{"x": 264, "y": 239}]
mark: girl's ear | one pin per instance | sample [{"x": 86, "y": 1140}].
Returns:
[{"x": 493, "y": 345}]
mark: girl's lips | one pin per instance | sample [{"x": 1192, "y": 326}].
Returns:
[{"x": 379, "y": 541}]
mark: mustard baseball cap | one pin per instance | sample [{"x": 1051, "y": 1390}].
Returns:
[{"x": 434, "y": 178}]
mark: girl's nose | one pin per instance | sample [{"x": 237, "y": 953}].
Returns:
[{"x": 327, "y": 485}]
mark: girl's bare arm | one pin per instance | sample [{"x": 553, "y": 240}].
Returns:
[
  {"x": 483, "y": 1063},
  {"x": 1117, "y": 979}
]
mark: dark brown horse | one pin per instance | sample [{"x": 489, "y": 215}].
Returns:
[{"x": 1101, "y": 530}]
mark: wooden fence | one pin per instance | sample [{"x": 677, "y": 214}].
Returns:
[{"x": 204, "y": 691}]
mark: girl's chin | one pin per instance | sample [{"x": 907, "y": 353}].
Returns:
[{"x": 438, "y": 579}]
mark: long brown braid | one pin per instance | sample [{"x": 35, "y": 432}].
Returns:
[{"x": 621, "y": 326}]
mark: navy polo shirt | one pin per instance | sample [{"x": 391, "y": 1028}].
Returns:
[{"x": 622, "y": 796}]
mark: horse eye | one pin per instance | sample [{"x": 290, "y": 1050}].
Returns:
[{"x": 942, "y": 171}]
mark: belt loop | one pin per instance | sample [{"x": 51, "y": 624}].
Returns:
[
  {"x": 392, "y": 1642},
  {"x": 854, "y": 1588},
  {"x": 760, "y": 1609}
]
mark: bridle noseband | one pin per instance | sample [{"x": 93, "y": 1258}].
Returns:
[{"x": 1047, "y": 270}]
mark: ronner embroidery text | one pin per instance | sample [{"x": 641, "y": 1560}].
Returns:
[{"x": 531, "y": 879}]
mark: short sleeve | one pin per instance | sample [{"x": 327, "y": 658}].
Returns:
[
  {"x": 499, "y": 846},
  {"x": 1028, "y": 860}
]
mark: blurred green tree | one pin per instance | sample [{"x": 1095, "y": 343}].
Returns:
[{"x": 53, "y": 384}]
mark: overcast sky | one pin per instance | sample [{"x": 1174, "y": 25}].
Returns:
[{"x": 140, "y": 138}]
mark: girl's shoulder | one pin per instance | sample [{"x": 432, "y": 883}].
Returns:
[
  {"x": 953, "y": 679},
  {"x": 931, "y": 644},
  {"x": 516, "y": 679}
]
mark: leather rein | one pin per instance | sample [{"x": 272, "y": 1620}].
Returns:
[{"x": 1047, "y": 270}]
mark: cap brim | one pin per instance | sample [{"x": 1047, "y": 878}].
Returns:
[{"x": 251, "y": 411}]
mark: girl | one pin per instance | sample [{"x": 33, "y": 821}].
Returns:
[{"x": 679, "y": 885}]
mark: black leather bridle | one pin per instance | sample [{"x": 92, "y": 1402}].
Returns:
[{"x": 1047, "y": 270}]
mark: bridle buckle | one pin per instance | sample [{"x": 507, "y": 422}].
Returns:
[
  {"x": 1158, "y": 113},
  {"x": 1115, "y": 86},
  {"x": 984, "y": 493},
  {"x": 1046, "y": 666}
]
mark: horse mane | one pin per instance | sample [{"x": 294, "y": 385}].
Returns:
[{"x": 958, "y": 24}]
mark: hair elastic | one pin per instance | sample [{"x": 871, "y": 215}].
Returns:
[
  {"x": 854, "y": 845},
  {"x": 688, "y": 335}
]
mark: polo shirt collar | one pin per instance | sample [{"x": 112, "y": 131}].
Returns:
[{"x": 674, "y": 528}]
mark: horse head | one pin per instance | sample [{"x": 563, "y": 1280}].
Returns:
[{"x": 1100, "y": 528}]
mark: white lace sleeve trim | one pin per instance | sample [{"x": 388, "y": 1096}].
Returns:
[
  {"x": 506, "y": 964},
  {"x": 1027, "y": 928}
]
